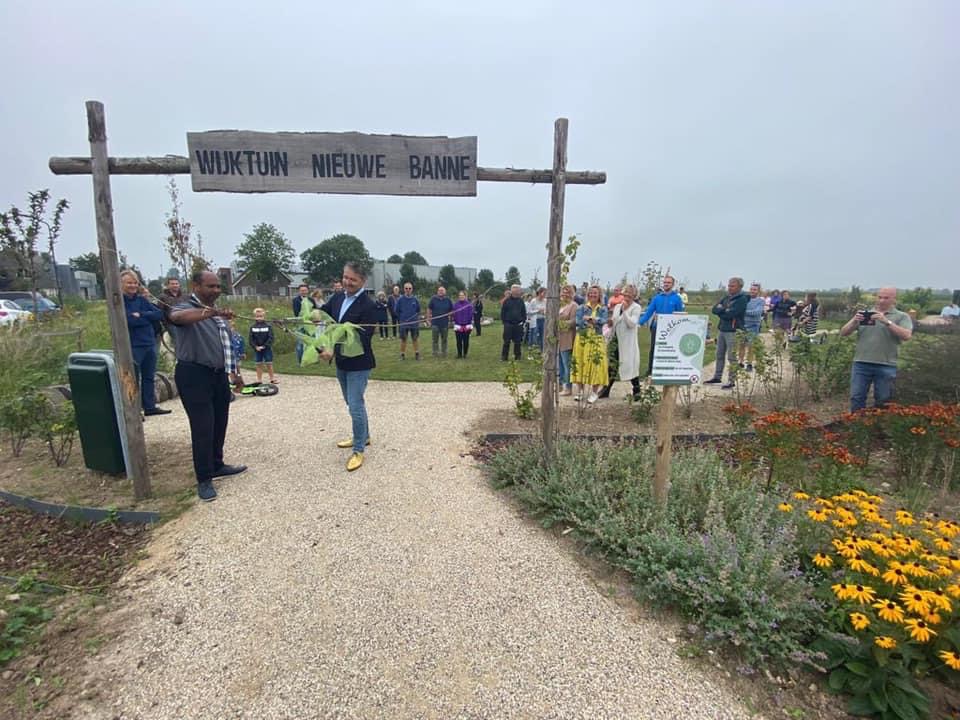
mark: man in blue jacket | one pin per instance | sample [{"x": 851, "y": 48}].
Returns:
[
  {"x": 141, "y": 316},
  {"x": 666, "y": 302},
  {"x": 355, "y": 306},
  {"x": 732, "y": 312}
]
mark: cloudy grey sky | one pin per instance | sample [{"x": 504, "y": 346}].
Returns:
[{"x": 802, "y": 144}]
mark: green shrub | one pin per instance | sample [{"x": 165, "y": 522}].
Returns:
[
  {"x": 930, "y": 370},
  {"x": 720, "y": 552},
  {"x": 824, "y": 369}
]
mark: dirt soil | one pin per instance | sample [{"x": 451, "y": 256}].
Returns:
[
  {"x": 34, "y": 474},
  {"x": 611, "y": 417},
  {"x": 85, "y": 559}
]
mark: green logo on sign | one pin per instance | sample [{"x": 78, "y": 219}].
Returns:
[{"x": 689, "y": 344}]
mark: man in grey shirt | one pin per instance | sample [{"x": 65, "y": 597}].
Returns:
[{"x": 204, "y": 363}]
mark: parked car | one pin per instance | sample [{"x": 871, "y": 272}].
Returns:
[
  {"x": 44, "y": 306},
  {"x": 12, "y": 314}
]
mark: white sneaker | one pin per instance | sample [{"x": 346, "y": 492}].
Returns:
[{"x": 593, "y": 398}]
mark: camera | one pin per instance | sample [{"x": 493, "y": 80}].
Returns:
[{"x": 868, "y": 318}]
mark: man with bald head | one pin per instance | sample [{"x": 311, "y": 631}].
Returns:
[
  {"x": 880, "y": 330},
  {"x": 205, "y": 369}
]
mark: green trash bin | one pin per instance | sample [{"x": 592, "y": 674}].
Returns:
[{"x": 95, "y": 389}]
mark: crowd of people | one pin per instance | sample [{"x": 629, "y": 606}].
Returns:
[{"x": 597, "y": 342}]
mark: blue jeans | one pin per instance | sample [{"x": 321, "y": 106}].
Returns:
[
  {"x": 145, "y": 361},
  {"x": 865, "y": 373},
  {"x": 541, "y": 322},
  {"x": 565, "y": 357},
  {"x": 353, "y": 383},
  {"x": 299, "y": 350}
]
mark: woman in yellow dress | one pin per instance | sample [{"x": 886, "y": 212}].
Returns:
[{"x": 589, "y": 347}]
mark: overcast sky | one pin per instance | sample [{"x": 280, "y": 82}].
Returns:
[{"x": 808, "y": 144}]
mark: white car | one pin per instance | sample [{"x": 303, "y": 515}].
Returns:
[{"x": 12, "y": 314}]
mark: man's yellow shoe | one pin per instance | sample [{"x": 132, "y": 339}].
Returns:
[
  {"x": 344, "y": 444},
  {"x": 355, "y": 461}
]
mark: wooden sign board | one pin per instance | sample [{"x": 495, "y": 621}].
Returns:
[
  {"x": 678, "y": 352},
  {"x": 348, "y": 163}
]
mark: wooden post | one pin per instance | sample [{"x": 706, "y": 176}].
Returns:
[
  {"x": 661, "y": 474},
  {"x": 137, "y": 469},
  {"x": 548, "y": 400}
]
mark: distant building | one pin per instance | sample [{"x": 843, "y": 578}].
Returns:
[{"x": 385, "y": 274}]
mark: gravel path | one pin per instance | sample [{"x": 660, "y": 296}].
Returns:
[{"x": 408, "y": 589}]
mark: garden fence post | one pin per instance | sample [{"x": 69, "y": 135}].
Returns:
[{"x": 661, "y": 473}]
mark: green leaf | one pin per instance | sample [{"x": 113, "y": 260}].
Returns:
[
  {"x": 838, "y": 678},
  {"x": 901, "y": 705},
  {"x": 858, "y": 668},
  {"x": 879, "y": 699},
  {"x": 860, "y": 705},
  {"x": 907, "y": 685}
]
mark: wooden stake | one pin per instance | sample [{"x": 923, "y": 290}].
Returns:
[
  {"x": 548, "y": 408},
  {"x": 137, "y": 469},
  {"x": 661, "y": 474}
]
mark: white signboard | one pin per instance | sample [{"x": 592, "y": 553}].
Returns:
[
  {"x": 678, "y": 353},
  {"x": 348, "y": 163}
]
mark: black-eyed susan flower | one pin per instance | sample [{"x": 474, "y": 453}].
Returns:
[
  {"x": 785, "y": 507},
  {"x": 858, "y": 564},
  {"x": 859, "y": 621},
  {"x": 933, "y": 618},
  {"x": 954, "y": 590},
  {"x": 903, "y": 518},
  {"x": 939, "y": 599},
  {"x": 819, "y": 514},
  {"x": 951, "y": 658},
  {"x": 800, "y": 495},
  {"x": 918, "y": 569},
  {"x": 843, "y": 591},
  {"x": 895, "y": 574},
  {"x": 824, "y": 502},
  {"x": 888, "y": 610},
  {"x": 885, "y": 641},
  {"x": 915, "y": 601},
  {"x": 822, "y": 561},
  {"x": 863, "y": 594},
  {"x": 919, "y": 630}
]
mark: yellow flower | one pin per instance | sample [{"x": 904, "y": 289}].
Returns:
[
  {"x": 939, "y": 598},
  {"x": 859, "y": 621},
  {"x": 917, "y": 569},
  {"x": 895, "y": 574},
  {"x": 914, "y": 601},
  {"x": 903, "y": 517},
  {"x": 846, "y": 549},
  {"x": 919, "y": 630},
  {"x": 933, "y": 619},
  {"x": 842, "y": 591},
  {"x": 885, "y": 641},
  {"x": 823, "y": 561},
  {"x": 824, "y": 502},
  {"x": 951, "y": 658},
  {"x": 862, "y": 594},
  {"x": 858, "y": 564},
  {"x": 785, "y": 507},
  {"x": 800, "y": 495},
  {"x": 819, "y": 515},
  {"x": 954, "y": 590},
  {"x": 954, "y": 561},
  {"x": 943, "y": 571},
  {"x": 948, "y": 529},
  {"x": 888, "y": 610}
]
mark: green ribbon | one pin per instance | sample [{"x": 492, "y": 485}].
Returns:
[{"x": 346, "y": 335}]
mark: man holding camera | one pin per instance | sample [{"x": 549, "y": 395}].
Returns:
[{"x": 880, "y": 331}]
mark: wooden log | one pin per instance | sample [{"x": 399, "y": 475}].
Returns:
[
  {"x": 179, "y": 165},
  {"x": 661, "y": 473},
  {"x": 548, "y": 400},
  {"x": 137, "y": 469}
]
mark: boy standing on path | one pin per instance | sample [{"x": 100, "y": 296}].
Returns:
[
  {"x": 353, "y": 305},
  {"x": 261, "y": 340}
]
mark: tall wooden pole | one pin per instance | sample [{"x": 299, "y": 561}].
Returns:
[
  {"x": 548, "y": 400},
  {"x": 137, "y": 469},
  {"x": 661, "y": 472}
]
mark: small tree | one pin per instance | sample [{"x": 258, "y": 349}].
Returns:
[
  {"x": 324, "y": 262},
  {"x": 449, "y": 279},
  {"x": 180, "y": 247},
  {"x": 651, "y": 278},
  {"x": 395, "y": 258},
  {"x": 535, "y": 283},
  {"x": 512, "y": 277},
  {"x": 265, "y": 253},
  {"x": 20, "y": 232},
  {"x": 414, "y": 258},
  {"x": 485, "y": 280},
  {"x": 408, "y": 275}
]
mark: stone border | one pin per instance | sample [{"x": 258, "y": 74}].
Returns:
[{"x": 79, "y": 512}]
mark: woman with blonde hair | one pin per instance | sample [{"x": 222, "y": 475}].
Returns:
[
  {"x": 589, "y": 348},
  {"x": 566, "y": 332}
]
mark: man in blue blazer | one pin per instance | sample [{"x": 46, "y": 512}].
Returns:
[{"x": 355, "y": 306}]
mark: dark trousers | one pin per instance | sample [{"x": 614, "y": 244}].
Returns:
[
  {"x": 514, "y": 334},
  {"x": 476, "y": 323},
  {"x": 384, "y": 331},
  {"x": 393, "y": 324},
  {"x": 463, "y": 343},
  {"x": 653, "y": 343},
  {"x": 145, "y": 362},
  {"x": 205, "y": 394}
]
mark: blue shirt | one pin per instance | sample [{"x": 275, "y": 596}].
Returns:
[
  {"x": 347, "y": 302},
  {"x": 407, "y": 311},
  {"x": 662, "y": 304}
]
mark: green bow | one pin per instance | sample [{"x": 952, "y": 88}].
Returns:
[{"x": 346, "y": 335}]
